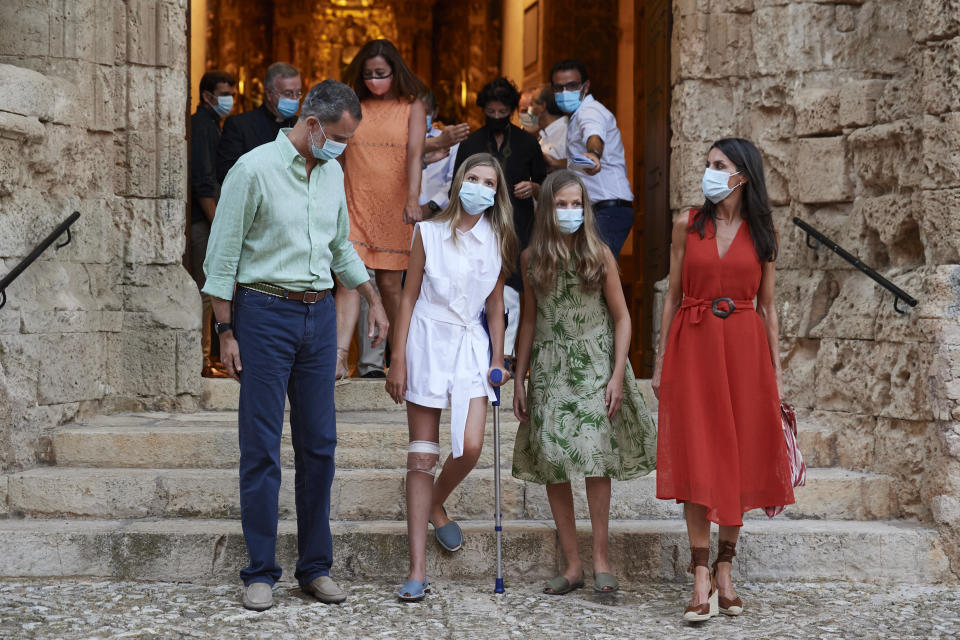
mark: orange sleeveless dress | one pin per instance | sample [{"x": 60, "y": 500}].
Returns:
[
  {"x": 719, "y": 436},
  {"x": 375, "y": 180}
]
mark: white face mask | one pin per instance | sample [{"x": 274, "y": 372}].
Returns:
[
  {"x": 476, "y": 198},
  {"x": 330, "y": 148},
  {"x": 715, "y": 183},
  {"x": 224, "y": 105},
  {"x": 569, "y": 220}
]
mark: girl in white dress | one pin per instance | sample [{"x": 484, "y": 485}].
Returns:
[{"x": 442, "y": 355}]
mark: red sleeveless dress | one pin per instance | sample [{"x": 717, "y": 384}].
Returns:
[{"x": 719, "y": 437}]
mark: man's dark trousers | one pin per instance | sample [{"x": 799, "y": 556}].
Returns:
[
  {"x": 614, "y": 224},
  {"x": 287, "y": 348}
]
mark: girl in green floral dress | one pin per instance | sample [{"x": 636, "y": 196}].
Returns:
[{"x": 583, "y": 415}]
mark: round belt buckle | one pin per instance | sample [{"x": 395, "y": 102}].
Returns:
[{"x": 721, "y": 313}]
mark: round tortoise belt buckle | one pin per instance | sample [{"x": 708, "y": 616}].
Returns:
[{"x": 722, "y": 313}]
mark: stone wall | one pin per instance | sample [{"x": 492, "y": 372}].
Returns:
[
  {"x": 92, "y": 119},
  {"x": 856, "y": 108}
]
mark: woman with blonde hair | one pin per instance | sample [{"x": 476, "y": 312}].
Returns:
[
  {"x": 442, "y": 356},
  {"x": 382, "y": 170},
  {"x": 583, "y": 415}
]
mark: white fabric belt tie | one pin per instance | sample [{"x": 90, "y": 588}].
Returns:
[{"x": 472, "y": 359}]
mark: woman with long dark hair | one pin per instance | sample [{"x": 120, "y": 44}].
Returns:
[
  {"x": 382, "y": 168},
  {"x": 720, "y": 448}
]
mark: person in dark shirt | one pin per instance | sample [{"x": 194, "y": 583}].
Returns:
[
  {"x": 217, "y": 92},
  {"x": 246, "y": 131},
  {"x": 524, "y": 167}
]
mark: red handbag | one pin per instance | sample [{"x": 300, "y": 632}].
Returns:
[{"x": 798, "y": 469}]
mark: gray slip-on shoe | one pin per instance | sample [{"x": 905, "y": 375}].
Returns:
[
  {"x": 325, "y": 590},
  {"x": 257, "y": 596}
]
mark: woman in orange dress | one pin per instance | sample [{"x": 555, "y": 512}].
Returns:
[
  {"x": 720, "y": 445},
  {"x": 382, "y": 167}
]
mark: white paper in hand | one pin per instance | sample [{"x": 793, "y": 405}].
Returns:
[{"x": 580, "y": 163}]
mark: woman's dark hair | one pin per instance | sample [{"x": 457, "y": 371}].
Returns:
[
  {"x": 499, "y": 90},
  {"x": 756, "y": 206},
  {"x": 405, "y": 83}
]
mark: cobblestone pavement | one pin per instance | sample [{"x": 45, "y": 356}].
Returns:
[{"x": 98, "y": 609}]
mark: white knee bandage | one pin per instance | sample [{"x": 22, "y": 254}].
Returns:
[{"x": 422, "y": 456}]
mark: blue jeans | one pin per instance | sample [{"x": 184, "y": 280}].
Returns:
[
  {"x": 614, "y": 224},
  {"x": 287, "y": 348}
]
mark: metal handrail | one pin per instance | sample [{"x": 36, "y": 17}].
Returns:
[
  {"x": 40, "y": 248},
  {"x": 815, "y": 239}
]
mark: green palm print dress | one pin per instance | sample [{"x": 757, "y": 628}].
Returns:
[{"x": 569, "y": 434}]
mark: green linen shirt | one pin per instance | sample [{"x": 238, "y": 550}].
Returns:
[{"x": 273, "y": 225}]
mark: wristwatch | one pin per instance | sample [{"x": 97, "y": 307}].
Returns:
[
  {"x": 222, "y": 327},
  {"x": 433, "y": 206}
]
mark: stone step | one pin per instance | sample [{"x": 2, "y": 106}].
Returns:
[
  {"x": 366, "y": 440},
  {"x": 641, "y": 551},
  {"x": 374, "y": 494},
  {"x": 222, "y": 394}
]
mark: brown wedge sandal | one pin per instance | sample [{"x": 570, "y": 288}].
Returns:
[
  {"x": 699, "y": 557},
  {"x": 726, "y": 551}
]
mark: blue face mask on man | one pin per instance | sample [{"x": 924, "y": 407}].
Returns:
[
  {"x": 330, "y": 149},
  {"x": 224, "y": 105},
  {"x": 568, "y": 101},
  {"x": 287, "y": 107}
]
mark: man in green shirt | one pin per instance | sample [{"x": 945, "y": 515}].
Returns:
[{"x": 281, "y": 227}]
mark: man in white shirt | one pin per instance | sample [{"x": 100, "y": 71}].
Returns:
[
  {"x": 553, "y": 129},
  {"x": 594, "y": 147}
]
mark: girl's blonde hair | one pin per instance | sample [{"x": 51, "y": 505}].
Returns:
[
  {"x": 548, "y": 251},
  {"x": 500, "y": 214}
]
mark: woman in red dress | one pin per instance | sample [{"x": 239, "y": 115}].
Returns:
[{"x": 720, "y": 443}]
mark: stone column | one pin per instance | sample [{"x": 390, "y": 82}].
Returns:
[
  {"x": 92, "y": 119},
  {"x": 856, "y": 108}
]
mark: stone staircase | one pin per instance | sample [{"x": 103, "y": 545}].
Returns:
[{"x": 155, "y": 496}]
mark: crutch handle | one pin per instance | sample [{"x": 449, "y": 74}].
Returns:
[{"x": 496, "y": 377}]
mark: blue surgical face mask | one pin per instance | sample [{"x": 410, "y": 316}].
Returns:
[
  {"x": 429, "y": 122},
  {"x": 715, "y": 183},
  {"x": 287, "y": 107},
  {"x": 224, "y": 105},
  {"x": 568, "y": 101},
  {"x": 569, "y": 220},
  {"x": 330, "y": 149},
  {"x": 476, "y": 198}
]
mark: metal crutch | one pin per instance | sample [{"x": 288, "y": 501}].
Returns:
[{"x": 496, "y": 376}]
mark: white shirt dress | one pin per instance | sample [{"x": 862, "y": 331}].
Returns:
[{"x": 448, "y": 351}]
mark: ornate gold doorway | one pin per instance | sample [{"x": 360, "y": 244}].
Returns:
[{"x": 456, "y": 47}]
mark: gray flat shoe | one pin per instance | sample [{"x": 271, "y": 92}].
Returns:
[
  {"x": 257, "y": 596},
  {"x": 450, "y": 536},
  {"x": 560, "y": 586},
  {"x": 325, "y": 590},
  {"x": 605, "y": 583}
]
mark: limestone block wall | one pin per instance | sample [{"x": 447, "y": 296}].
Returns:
[
  {"x": 92, "y": 119},
  {"x": 855, "y": 105}
]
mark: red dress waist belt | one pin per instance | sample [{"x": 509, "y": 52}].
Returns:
[{"x": 720, "y": 307}]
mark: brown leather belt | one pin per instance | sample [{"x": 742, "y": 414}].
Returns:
[{"x": 306, "y": 297}]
